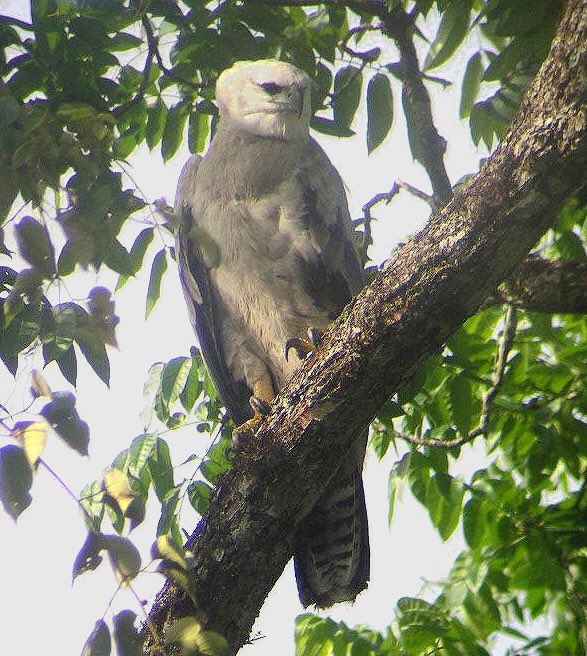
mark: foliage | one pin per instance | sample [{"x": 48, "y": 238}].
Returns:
[{"x": 84, "y": 85}]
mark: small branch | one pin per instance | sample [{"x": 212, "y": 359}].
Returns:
[
  {"x": 510, "y": 324},
  {"x": 387, "y": 197},
  {"x": 424, "y": 441},
  {"x": 89, "y": 519},
  {"x": 353, "y": 31},
  {"x": 153, "y": 47},
  {"x": 430, "y": 145},
  {"x": 505, "y": 345},
  {"x": 156, "y": 639},
  {"x": 542, "y": 285},
  {"x": 140, "y": 94},
  {"x": 418, "y": 193},
  {"x": 367, "y": 218}
]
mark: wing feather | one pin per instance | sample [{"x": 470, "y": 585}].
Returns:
[
  {"x": 331, "y": 273},
  {"x": 201, "y": 299}
]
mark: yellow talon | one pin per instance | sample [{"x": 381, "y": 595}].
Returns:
[
  {"x": 303, "y": 347},
  {"x": 261, "y": 398}
]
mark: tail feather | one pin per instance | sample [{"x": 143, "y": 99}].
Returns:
[{"x": 331, "y": 556}]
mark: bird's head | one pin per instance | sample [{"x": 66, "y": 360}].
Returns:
[{"x": 268, "y": 98}]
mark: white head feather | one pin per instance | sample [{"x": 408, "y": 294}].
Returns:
[{"x": 268, "y": 98}]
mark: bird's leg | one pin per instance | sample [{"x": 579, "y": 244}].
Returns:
[
  {"x": 303, "y": 347},
  {"x": 263, "y": 394}
]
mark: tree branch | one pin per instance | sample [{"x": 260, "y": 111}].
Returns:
[
  {"x": 545, "y": 286},
  {"x": 424, "y": 293},
  {"x": 428, "y": 147}
]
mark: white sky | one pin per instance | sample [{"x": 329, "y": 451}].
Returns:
[{"x": 44, "y": 614}]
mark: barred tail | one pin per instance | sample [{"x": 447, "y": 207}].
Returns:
[{"x": 332, "y": 545}]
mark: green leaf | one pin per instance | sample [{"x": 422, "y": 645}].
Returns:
[
  {"x": 157, "y": 270},
  {"x": 421, "y": 624},
  {"x": 379, "y": 110},
  {"x": 57, "y": 334},
  {"x": 474, "y": 522},
  {"x": 16, "y": 479},
  {"x": 348, "y": 83},
  {"x": 33, "y": 436},
  {"x": 482, "y": 125},
  {"x": 67, "y": 363},
  {"x": 418, "y": 475},
  {"x": 124, "y": 41},
  {"x": 124, "y": 556},
  {"x": 397, "y": 479},
  {"x": 507, "y": 60},
  {"x": 168, "y": 517},
  {"x": 471, "y": 83},
  {"x": 166, "y": 548},
  {"x": 173, "y": 131},
  {"x": 202, "y": 130},
  {"x": 127, "y": 638},
  {"x": 321, "y": 87},
  {"x": 92, "y": 500},
  {"x": 482, "y": 612},
  {"x": 454, "y": 26},
  {"x": 188, "y": 634},
  {"x": 88, "y": 557},
  {"x": 173, "y": 379},
  {"x": 161, "y": 469},
  {"x": 62, "y": 415},
  {"x": 35, "y": 246},
  {"x": 141, "y": 449},
  {"x": 157, "y": 117},
  {"x": 184, "y": 632},
  {"x": 332, "y": 128},
  {"x": 194, "y": 385},
  {"x": 444, "y": 496},
  {"x": 91, "y": 344},
  {"x": 200, "y": 495},
  {"x": 461, "y": 403},
  {"x": 212, "y": 643},
  {"x": 98, "y": 643},
  {"x": 118, "y": 489},
  {"x": 117, "y": 258}
]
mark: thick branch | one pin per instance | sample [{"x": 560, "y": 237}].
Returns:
[
  {"x": 545, "y": 286},
  {"x": 430, "y": 287},
  {"x": 427, "y": 145}
]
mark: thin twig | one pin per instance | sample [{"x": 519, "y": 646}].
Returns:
[
  {"x": 353, "y": 31},
  {"x": 148, "y": 621},
  {"x": 89, "y": 518},
  {"x": 418, "y": 193},
  {"x": 144, "y": 83},
  {"x": 504, "y": 347},
  {"x": 153, "y": 46},
  {"x": 366, "y": 219},
  {"x": 430, "y": 145}
]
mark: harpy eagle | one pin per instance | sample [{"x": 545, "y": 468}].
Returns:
[{"x": 265, "y": 251}]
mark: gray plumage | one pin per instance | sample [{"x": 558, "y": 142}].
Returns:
[{"x": 265, "y": 251}]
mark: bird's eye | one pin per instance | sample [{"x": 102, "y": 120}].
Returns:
[{"x": 272, "y": 88}]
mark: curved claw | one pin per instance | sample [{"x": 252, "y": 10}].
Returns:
[
  {"x": 292, "y": 343},
  {"x": 247, "y": 429},
  {"x": 303, "y": 347}
]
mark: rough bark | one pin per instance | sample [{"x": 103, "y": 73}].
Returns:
[
  {"x": 545, "y": 286},
  {"x": 426, "y": 292}
]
